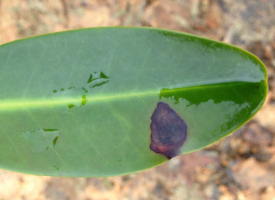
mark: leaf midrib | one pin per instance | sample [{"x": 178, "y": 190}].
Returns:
[{"x": 6, "y": 105}]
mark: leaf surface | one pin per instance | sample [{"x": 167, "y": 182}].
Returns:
[{"x": 79, "y": 103}]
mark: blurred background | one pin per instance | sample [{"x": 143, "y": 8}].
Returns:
[{"x": 239, "y": 167}]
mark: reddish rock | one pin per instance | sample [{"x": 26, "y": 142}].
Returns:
[{"x": 253, "y": 175}]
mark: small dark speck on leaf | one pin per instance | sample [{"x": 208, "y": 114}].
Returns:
[
  {"x": 86, "y": 91},
  {"x": 56, "y": 167},
  {"x": 84, "y": 100},
  {"x": 70, "y": 106},
  {"x": 54, "y": 141},
  {"x": 168, "y": 131},
  {"x": 102, "y": 75},
  {"x": 50, "y": 129}
]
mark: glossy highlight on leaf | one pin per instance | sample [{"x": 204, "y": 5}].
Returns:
[
  {"x": 169, "y": 131},
  {"x": 80, "y": 103}
]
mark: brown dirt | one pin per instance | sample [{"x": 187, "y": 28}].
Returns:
[{"x": 241, "y": 166}]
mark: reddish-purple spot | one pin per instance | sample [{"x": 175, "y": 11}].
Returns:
[{"x": 169, "y": 131}]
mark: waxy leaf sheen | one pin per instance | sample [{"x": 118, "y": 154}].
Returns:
[{"x": 80, "y": 103}]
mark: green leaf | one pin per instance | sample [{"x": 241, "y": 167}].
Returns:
[{"x": 79, "y": 103}]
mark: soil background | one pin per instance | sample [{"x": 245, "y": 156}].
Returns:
[{"x": 239, "y": 167}]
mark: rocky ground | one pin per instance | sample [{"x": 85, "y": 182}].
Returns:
[{"x": 239, "y": 167}]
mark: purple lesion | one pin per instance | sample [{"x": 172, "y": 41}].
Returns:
[{"x": 169, "y": 131}]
